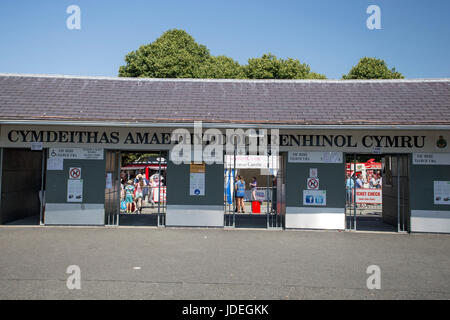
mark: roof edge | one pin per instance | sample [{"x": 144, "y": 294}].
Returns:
[{"x": 60, "y": 76}]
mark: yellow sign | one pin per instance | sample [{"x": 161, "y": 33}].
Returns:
[{"x": 197, "y": 168}]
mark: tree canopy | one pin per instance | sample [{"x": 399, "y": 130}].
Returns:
[
  {"x": 177, "y": 55},
  {"x": 372, "y": 68}
]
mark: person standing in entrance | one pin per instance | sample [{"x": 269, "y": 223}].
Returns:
[
  {"x": 253, "y": 185},
  {"x": 349, "y": 184},
  {"x": 139, "y": 194},
  {"x": 240, "y": 193}
]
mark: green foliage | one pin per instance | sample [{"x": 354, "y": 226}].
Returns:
[
  {"x": 372, "y": 68},
  {"x": 222, "y": 67},
  {"x": 173, "y": 55},
  {"x": 270, "y": 67},
  {"x": 132, "y": 157},
  {"x": 176, "y": 55}
]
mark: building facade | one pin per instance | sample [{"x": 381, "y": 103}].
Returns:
[{"x": 62, "y": 137}]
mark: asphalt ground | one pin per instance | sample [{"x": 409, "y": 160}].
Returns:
[{"x": 175, "y": 263}]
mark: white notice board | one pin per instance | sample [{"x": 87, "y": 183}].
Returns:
[
  {"x": 442, "y": 192},
  {"x": 197, "y": 184},
  {"x": 76, "y": 153},
  {"x": 314, "y": 157},
  {"x": 74, "y": 190}
]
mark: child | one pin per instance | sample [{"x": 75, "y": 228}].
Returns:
[{"x": 129, "y": 195}]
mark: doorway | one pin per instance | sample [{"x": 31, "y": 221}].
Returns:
[
  {"x": 254, "y": 191},
  {"x": 377, "y": 192},
  {"x": 137, "y": 197},
  {"x": 22, "y": 186}
]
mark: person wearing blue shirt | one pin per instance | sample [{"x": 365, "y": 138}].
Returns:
[
  {"x": 349, "y": 184},
  {"x": 240, "y": 193},
  {"x": 359, "y": 182}
]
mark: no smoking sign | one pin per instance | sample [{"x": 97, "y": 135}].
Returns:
[
  {"x": 75, "y": 173},
  {"x": 312, "y": 183}
]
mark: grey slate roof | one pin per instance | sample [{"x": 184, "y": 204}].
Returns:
[{"x": 311, "y": 102}]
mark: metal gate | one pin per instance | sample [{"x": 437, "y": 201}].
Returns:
[
  {"x": 113, "y": 190},
  {"x": 162, "y": 192},
  {"x": 395, "y": 194},
  {"x": 112, "y": 187},
  {"x": 273, "y": 204},
  {"x": 401, "y": 180}
]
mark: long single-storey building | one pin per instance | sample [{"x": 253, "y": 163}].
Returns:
[{"x": 62, "y": 138}]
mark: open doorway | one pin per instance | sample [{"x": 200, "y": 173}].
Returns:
[
  {"x": 377, "y": 193},
  {"x": 253, "y": 191},
  {"x": 142, "y": 188},
  {"x": 22, "y": 186}
]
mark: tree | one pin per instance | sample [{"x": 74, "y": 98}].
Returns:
[
  {"x": 173, "y": 55},
  {"x": 372, "y": 68},
  {"x": 176, "y": 55},
  {"x": 270, "y": 67},
  {"x": 222, "y": 67}
]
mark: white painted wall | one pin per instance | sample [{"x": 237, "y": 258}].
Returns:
[
  {"x": 315, "y": 218},
  {"x": 430, "y": 221},
  {"x": 194, "y": 216},
  {"x": 74, "y": 214}
]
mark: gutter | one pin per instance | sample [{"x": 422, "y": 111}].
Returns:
[{"x": 221, "y": 125}]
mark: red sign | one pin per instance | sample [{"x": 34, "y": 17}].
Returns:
[
  {"x": 75, "y": 173},
  {"x": 313, "y": 183}
]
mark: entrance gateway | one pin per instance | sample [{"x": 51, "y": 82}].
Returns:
[{"x": 297, "y": 189}]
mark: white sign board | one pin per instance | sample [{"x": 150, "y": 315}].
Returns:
[
  {"x": 251, "y": 162},
  {"x": 314, "y": 197},
  {"x": 442, "y": 192},
  {"x": 315, "y": 157},
  {"x": 74, "y": 190},
  {"x": 76, "y": 153},
  {"x": 431, "y": 158},
  {"x": 36, "y": 146},
  {"x": 260, "y": 195},
  {"x": 197, "y": 184},
  {"x": 55, "y": 163},
  {"x": 369, "y": 196}
]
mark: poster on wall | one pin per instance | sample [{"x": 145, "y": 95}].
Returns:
[
  {"x": 75, "y": 190},
  {"x": 197, "y": 179},
  {"x": 55, "y": 163},
  {"x": 314, "y": 197},
  {"x": 442, "y": 192}
]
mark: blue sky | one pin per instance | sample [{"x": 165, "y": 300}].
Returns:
[{"x": 329, "y": 35}]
